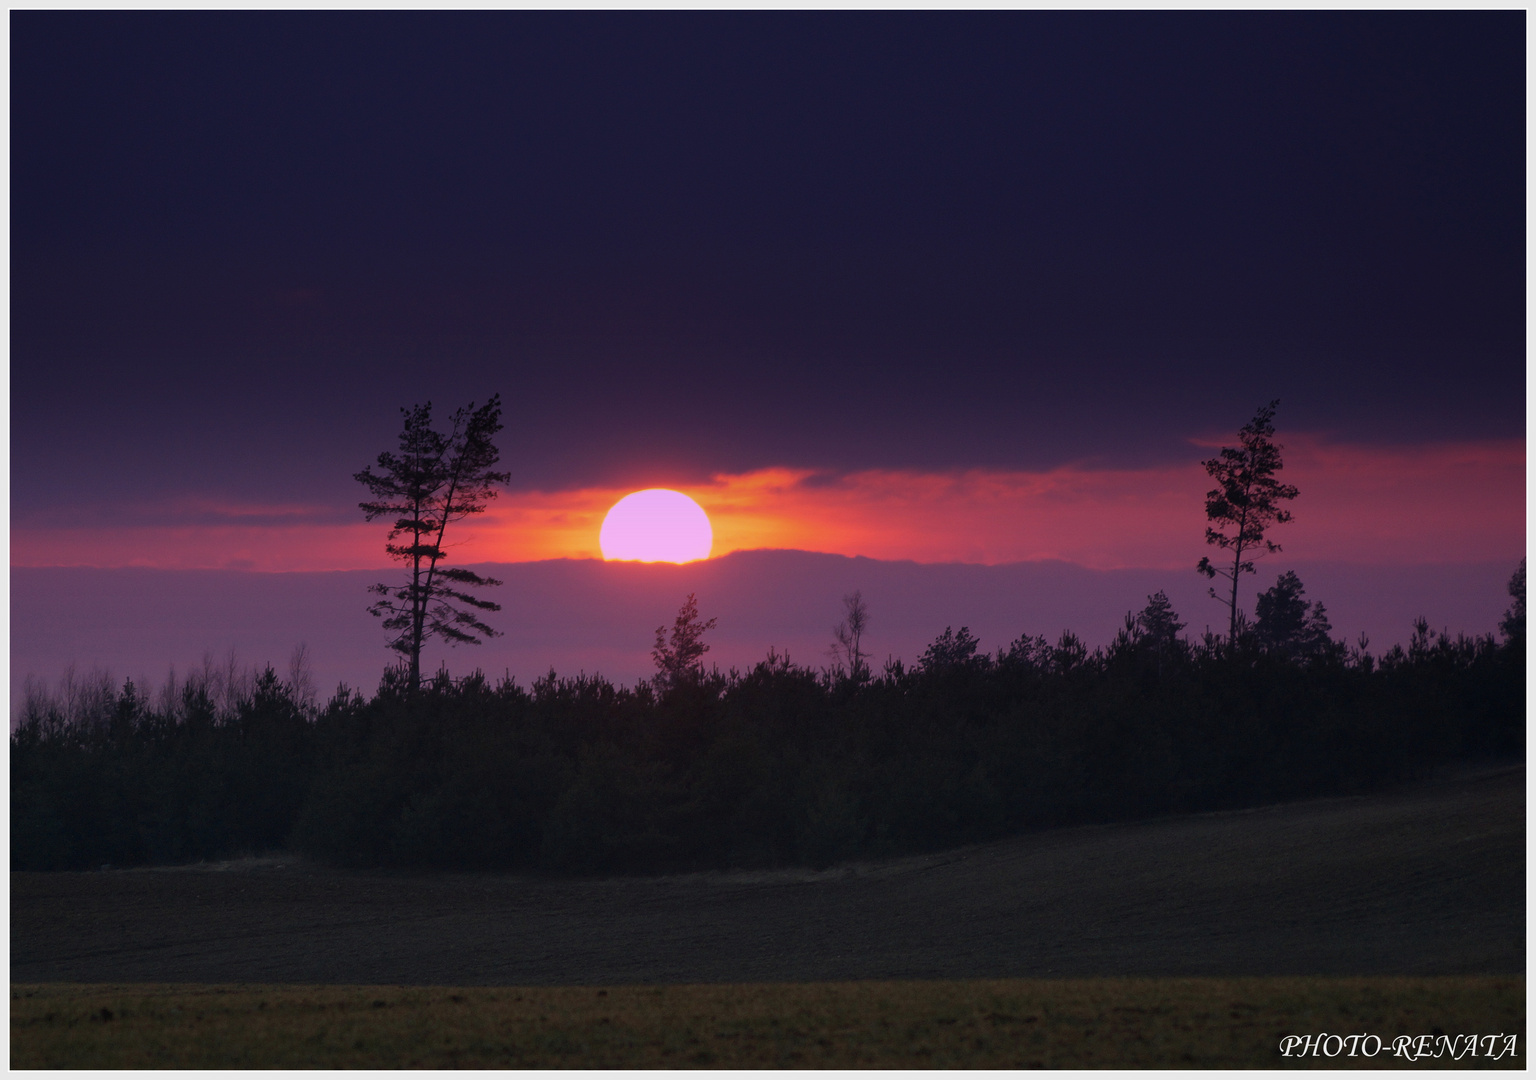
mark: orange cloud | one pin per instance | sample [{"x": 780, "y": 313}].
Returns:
[{"x": 1445, "y": 502}]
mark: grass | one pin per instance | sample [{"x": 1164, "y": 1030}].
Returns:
[{"x": 1012, "y": 1023}]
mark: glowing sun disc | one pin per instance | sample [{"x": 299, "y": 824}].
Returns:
[{"x": 656, "y": 525}]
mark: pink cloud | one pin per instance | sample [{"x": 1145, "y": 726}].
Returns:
[{"x": 1442, "y": 502}]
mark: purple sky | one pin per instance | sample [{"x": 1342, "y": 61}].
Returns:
[{"x": 687, "y": 243}]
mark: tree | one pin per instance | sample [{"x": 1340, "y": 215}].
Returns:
[
  {"x": 1512, "y": 625},
  {"x": 678, "y": 656},
  {"x": 1245, "y": 501},
  {"x": 433, "y": 480},
  {"x": 1155, "y": 629},
  {"x": 849, "y": 633},
  {"x": 951, "y": 651},
  {"x": 1287, "y": 624},
  {"x": 1158, "y": 622}
]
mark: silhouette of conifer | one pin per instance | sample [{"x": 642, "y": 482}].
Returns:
[
  {"x": 1245, "y": 503},
  {"x": 433, "y": 480},
  {"x": 679, "y": 655}
]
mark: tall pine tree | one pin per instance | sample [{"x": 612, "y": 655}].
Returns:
[
  {"x": 434, "y": 479},
  {"x": 1245, "y": 503}
]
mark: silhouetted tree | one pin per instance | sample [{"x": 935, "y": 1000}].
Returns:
[
  {"x": 1156, "y": 629},
  {"x": 951, "y": 650},
  {"x": 1286, "y": 623},
  {"x": 1246, "y": 500},
  {"x": 1158, "y": 621},
  {"x": 1512, "y": 625},
  {"x": 678, "y": 656},
  {"x": 849, "y": 633},
  {"x": 435, "y": 479}
]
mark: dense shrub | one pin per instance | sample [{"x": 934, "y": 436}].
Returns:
[{"x": 776, "y": 765}]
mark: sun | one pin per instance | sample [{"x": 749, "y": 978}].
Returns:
[{"x": 656, "y": 525}]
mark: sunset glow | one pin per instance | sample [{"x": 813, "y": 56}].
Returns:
[
  {"x": 656, "y": 525},
  {"x": 1383, "y": 505}
]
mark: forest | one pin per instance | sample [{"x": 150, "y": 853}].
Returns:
[{"x": 782, "y": 764}]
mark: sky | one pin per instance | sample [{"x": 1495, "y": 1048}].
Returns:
[{"x": 928, "y": 287}]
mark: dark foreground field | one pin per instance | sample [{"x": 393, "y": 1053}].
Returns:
[
  {"x": 1399, "y": 914},
  {"x": 1396, "y": 1022},
  {"x": 1426, "y": 880}
]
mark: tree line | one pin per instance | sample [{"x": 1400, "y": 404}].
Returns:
[{"x": 780, "y": 764}]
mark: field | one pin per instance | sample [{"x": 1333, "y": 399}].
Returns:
[
  {"x": 1209, "y": 935},
  {"x": 1075, "y": 1023}
]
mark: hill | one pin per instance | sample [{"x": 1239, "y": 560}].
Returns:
[{"x": 1423, "y": 879}]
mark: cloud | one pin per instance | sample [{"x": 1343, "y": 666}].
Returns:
[{"x": 1434, "y": 503}]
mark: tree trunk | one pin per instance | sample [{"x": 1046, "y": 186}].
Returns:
[
  {"x": 1237, "y": 572},
  {"x": 1237, "y": 567},
  {"x": 418, "y": 609}
]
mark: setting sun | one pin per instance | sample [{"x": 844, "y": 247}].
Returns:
[{"x": 656, "y": 525}]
